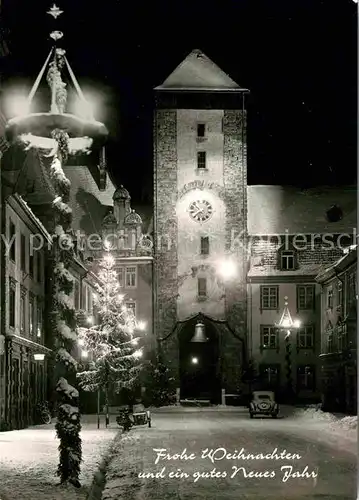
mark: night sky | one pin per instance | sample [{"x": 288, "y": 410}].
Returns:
[{"x": 298, "y": 58}]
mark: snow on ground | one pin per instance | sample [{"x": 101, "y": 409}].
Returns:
[
  {"x": 29, "y": 458},
  {"x": 335, "y": 468},
  {"x": 338, "y": 425}
]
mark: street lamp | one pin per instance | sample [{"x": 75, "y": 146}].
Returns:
[
  {"x": 39, "y": 357},
  {"x": 227, "y": 269},
  {"x": 287, "y": 324}
]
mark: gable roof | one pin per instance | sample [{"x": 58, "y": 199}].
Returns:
[
  {"x": 277, "y": 209},
  {"x": 198, "y": 72}
]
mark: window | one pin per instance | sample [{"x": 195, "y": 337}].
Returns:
[
  {"x": 39, "y": 266},
  {"x": 12, "y": 302},
  {"x": 89, "y": 300},
  {"x": 306, "y": 377},
  {"x": 32, "y": 314},
  {"x": 351, "y": 289},
  {"x": 12, "y": 240},
  {"x": 131, "y": 277},
  {"x": 305, "y": 337},
  {"x": 31, "y": 263},
  {"x": 340, "y": 296},
  {"x": 121, "y": 276},
  {"x": 22, "y": 309},
  {"x": 287, "y": 262},
  {"x": 201, "y": 130},
  {"x": 131, "y": 307},
  {"x": 76, "y": 294},
  {"x": 23, "y": 253},
  {"x": 269, "y": 337},
  {"x": 202, "y": 287},
  {"x": 342, "y": 338},
  {"x": 84, "y": 297},
  {"x": 330, "y": 343},
  {"x": 201, "y": 159},
  {"x": 204, "y": 245},
  {"x": 329, "y": 338},
  {"x": 330, "y": 298},
  {"x": 305, "y": 297},
  {"x": 269, "y": 297},
  {"x": 269, "y": 375},
  {"x": 39, "y": 320}
]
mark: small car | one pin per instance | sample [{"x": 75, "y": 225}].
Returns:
[
  {"x": 263, "y": 403},
  {"x": 135, "y": 415}
]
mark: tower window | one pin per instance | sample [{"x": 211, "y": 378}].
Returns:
[
  {"x": 202, "y": 287},
  {"x": 201, "y": 130},
  {"x": 201, "y": 159},
  {"x": 204, "y": 245}
]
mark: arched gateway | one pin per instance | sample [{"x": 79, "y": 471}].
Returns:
[
  {"x": 199, "y": 360},
  {"x": 205, "y": 357}
]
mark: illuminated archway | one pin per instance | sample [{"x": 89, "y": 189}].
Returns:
[{"x": 200, "y": 372}]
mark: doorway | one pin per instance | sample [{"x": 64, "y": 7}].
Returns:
[{"x": 200, "y": 374}]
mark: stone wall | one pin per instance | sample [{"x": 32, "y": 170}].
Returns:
[
  {"x": 235, "y": 183},
  {"x": 165, "y": 272}
]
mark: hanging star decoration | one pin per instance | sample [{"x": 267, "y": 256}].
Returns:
[{"x": 55, "y": 12}]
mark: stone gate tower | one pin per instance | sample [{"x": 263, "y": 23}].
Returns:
[{"x": 200, "y": 227}]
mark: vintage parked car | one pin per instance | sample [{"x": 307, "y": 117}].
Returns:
[
  {"x": 133, "y": 415},
  {"x": 263, "y": 403}
]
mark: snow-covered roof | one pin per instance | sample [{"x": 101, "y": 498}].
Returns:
[
  {"x": 36, "y": 221},
  {"x": 270, "y": 271},
  {"x": 277, "y": 209},
  {"x": 198, "y": 72},
  {"x": 328, "y": 272}
]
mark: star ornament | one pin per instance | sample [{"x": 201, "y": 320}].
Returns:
[{"x": 55, "y": 12}]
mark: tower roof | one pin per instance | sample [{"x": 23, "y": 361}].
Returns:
[
  {"x": 121, "y": 193},
  {"x": 198, "y": 72}
]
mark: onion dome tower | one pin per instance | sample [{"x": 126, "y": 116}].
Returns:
[{"x": 122, "y": 205}]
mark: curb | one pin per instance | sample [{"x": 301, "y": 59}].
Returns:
[
  {"x": 193, "y": 409},
  {"x": 99, "y": 480}
]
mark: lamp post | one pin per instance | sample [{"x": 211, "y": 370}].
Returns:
[{"x": 287, "y": 324}]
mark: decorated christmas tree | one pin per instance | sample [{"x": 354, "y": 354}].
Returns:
[{"x": 112, "y": 345}]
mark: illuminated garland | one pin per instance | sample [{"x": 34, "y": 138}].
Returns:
[{"x": 68, "y": 426}]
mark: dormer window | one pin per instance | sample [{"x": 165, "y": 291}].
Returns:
[{"x": 287, "y": 260}]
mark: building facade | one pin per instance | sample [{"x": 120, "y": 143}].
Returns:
[
  {"x": 25, "y": 344},
  {"x": 27, "y": 195},
  {"x": 338, "y": 350},
  {"x": 228, "y": 255},
  {"x": 132, "y": 247}
]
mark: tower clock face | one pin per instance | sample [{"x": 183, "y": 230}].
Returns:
[{"x": 200, "y": 210}]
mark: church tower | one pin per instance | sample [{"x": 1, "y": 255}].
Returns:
[{"x": 200, "y": 228}]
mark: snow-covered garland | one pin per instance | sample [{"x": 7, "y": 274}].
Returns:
[{"x": 68, "y": 425}]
